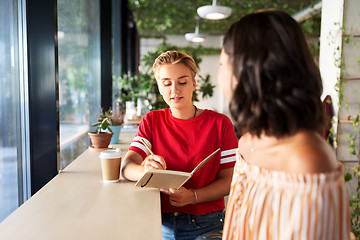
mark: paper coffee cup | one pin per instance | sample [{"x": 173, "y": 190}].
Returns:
[{"x": 110, "y": 164}]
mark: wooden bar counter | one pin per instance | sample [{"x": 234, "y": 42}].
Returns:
[{"x": 77, "y": 204}]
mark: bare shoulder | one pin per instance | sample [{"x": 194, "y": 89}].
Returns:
[{"x": 310, "y": 153}]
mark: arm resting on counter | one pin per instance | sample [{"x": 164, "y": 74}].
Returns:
[{"x": 131, "y": 168}]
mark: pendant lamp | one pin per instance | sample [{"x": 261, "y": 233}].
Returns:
[
  {"x": 196, "y": 36},
  {"x": 214, "y": 12}
]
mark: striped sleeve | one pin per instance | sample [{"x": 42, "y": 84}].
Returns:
[
  {"x": 144, "y": 133},
  {"x": 229, "y": 144},
  {"x": 228, "y": 156},
  {"x": 137, "y": 146}
]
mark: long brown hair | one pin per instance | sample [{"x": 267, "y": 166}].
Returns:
[{"x": 278, "y": 85}]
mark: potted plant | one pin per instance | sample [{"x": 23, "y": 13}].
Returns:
[
  {"x": 102, "y": 136},
  {"x": 117, "y": 120}
]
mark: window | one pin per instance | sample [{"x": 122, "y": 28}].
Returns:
[
  {"x": 79, "y": 74},
  {"x": 13, "y": 121}
]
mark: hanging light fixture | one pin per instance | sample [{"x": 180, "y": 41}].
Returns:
[
  {"x": 196, "y": 36},
  {"x": 214, "y": 12}
]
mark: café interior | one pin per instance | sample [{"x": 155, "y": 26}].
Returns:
[{"x": 63, "y": 62}]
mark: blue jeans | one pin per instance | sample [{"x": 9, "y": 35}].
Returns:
[{"x": 183, "y": 226}]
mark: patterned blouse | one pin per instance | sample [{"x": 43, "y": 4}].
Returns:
[{"x": 268, "y": 204}]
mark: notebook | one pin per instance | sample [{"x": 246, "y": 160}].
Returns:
[{"x": 165, "y": 179}]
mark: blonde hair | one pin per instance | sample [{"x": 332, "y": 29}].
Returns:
[{"x": 175, "y": 57}]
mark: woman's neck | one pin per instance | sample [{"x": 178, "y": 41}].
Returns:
[{"x": 184, "y": 113}]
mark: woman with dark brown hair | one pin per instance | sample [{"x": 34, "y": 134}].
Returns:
[{"x": 287, "y": 182}]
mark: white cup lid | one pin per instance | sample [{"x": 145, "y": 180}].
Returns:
[{"x": 112, "y": 153}]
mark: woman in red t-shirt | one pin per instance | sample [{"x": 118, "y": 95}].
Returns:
[{"x": 181, "y": 136}]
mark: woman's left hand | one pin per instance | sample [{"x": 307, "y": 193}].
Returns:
[{"x": 180, "y": 197}]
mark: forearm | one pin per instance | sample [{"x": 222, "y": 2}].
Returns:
[
  {"x": 215, "y": 190},
  {"x": 131, "y": 171},
  {"x": 131, "y": 168}
]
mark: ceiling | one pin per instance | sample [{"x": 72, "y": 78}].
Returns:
[{"x": 157, "y": 18}]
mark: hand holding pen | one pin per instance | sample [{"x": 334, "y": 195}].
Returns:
[{"x": 153, "y": 161}]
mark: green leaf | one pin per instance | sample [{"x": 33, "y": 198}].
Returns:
[
  {"x": 347, "y": 177},
  {"x": 110, "y": 129}
]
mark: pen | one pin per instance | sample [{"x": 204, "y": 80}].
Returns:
[{"x": 147, "y": 146}]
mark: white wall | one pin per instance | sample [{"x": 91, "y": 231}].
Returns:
[{"x": 330, "y": 47}]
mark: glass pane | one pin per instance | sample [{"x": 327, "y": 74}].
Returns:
[
  {"x": 79, "y": 74},
  {"x": 10, "y": 136}
]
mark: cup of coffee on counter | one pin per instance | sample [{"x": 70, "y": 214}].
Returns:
[{"x": 110, "y": 164}]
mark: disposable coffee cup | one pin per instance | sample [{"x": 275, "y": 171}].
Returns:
[{"x": 110, "y": 164}]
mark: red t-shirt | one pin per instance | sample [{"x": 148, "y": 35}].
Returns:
[{"x": 185, "y": 143}]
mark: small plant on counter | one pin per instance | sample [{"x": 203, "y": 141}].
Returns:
[
  {"x": 117, "y": 115},
  {"x": 102, "y": 136},
  {"x": 104, "y": 121},
  {"x": 109, "y": 118}
]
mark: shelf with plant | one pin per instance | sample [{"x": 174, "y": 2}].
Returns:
[
  {"x": 354, "y": 173},
  {"x": 346, "y": 119}
]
